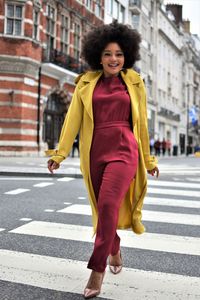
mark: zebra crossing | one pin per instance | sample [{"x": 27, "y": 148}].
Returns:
[{"x": 148, "y": 277}]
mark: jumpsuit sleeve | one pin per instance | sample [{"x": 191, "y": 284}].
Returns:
[
  {"x": 150, "y": 161},
  {"x": 69, "y": 130}
]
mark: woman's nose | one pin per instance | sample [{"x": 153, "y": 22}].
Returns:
[{"x": 113, "y": 57}]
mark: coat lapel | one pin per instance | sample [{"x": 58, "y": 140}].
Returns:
[
  {"x": 86, "y": 91},
  {"x": 132, "y": 81}
]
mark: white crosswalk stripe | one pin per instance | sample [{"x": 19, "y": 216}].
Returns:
[
  {"x": 148, "y": 215},
  {"x": 66, "y": 179},
  {"x": 43, "y": 184},
  {"x": 70, "y": 276},
  {"x": 193, "y": 179},
  {"x": 17, "y": 191},
  {"x": 174, "y": 192},
  {"x": 150, "y": 241},
  {"x": 173, "y": 184},
  {"x": 172, "y": 202}
]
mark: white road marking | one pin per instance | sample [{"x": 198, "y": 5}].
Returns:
[
  {"x": 17, "y": 191},
  {"x": 71, "y": 163},
  {"x": 2, "y": 229},
  {"x": 81, "y": 198},
  {"x": 148, "y": 241},
  {"x": 43, "y": 184},
  {"x": 25, "y": 219},
  {"x": 49, "y": 210},
  {"x": 71, "y": 276},
  {"x": 175, "y": 178},
  {"x": 67, "y": 203},
  {"x": 193, "y": 179},
  {"x": 25, "y": 178},
  {"x": 148, "y": 215},
  {"x": 79, "y": 209},
  {"x": 65, "y": 179},
  {"x": 173, "y": 184},
  {"x": 168, "y": 217},
  {"x": 177, "y": 192},
  {"x": 183, "y": 167},
  {"x": 180, "y": 172},
  {"x": 172, "y": 202}
]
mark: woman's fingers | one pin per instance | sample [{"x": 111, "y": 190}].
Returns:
[
  {"x": 52, "y": 165},
  {"x": 153, "y": 171}
]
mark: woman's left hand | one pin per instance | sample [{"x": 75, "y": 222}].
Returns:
[{"x": 153, "y": 171}]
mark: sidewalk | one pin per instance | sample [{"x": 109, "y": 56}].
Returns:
[
  {"x": 70, "y": 167},
  {"x": 37, "y": 166}
]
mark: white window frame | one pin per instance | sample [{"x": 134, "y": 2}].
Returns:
[
  {"x": 97, "y": 9},
  {"x": 6, "y": 17},
  {"x": 89, "y": 7},
  {"x": 54, "y": 33},
  {"x": 35, "y": 9},
  {"x": 63, "y": 41},
  {"x": 77, "y": 48}
]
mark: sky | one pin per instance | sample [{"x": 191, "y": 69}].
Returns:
[{"x": 191, "y": 11}]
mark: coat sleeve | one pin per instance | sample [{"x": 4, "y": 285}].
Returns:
[
  {"x": 150, "y": 161},
  {"x": 69, "y": 130}
]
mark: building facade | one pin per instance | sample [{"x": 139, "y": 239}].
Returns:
[
  {"x": 143, "y": 17},
  {"x": 169, "y": 125},
  {"x": 191, "y": 90},
  {"x": 39, "y": 59}
]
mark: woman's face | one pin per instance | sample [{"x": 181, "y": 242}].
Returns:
[{"x": 112, "y": 59}]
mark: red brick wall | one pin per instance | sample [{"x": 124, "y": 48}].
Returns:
[{"x": 11, "y": 107}]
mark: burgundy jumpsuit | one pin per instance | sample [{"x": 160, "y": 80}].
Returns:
[{"x": 113, "y": 163}]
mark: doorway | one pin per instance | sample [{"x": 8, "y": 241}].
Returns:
[{"x": 54, "y": 115}]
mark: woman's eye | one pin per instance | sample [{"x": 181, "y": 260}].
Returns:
[
  {"x": 106, "y": 54},
  {"x": 120, "y": 54}
]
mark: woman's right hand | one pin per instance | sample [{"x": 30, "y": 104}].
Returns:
[{"x": 52, "y": 165}]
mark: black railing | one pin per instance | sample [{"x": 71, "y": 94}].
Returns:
[{"x": 63, "y": 60}]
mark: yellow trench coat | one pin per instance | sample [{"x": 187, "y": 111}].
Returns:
[{"x": 80, "y": 117}]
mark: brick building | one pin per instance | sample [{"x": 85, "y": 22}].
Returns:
[{"x": 39, "y": 59}]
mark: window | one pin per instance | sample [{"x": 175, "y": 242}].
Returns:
[
  {"x": 50, "y": 27},
  {"x": 98, "y": 8},
  {"x": 14, "y": 15},
  {"x": 115, "y": 9},
  {"x": 121, "y": 14},
  {"x": 110, "y": 7},
  {"x": 135, "y": 21},
  {"x": 89, "y": 4},
  {"x": 76, "y": 40},
  {"x": 36, "y": 24},
  {"x": 64, "y": 34}
]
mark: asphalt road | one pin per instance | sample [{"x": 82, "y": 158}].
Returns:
[{"x": 46, "y": 239}]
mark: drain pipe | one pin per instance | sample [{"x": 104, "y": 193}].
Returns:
[{"x": 38, "y": 108}]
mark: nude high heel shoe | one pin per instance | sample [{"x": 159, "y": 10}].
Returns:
[
  {"x": 93, "y": 288},
  {"x": 115, "y": 269}
]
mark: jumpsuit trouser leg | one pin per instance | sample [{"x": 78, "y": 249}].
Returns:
[{"x": 110, "y": 186}]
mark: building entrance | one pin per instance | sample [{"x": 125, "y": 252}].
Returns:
[{"x": 54, "y": 115}]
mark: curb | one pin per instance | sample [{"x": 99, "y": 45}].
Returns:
[{"x": 77, "y": 176}]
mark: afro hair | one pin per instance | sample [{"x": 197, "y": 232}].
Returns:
[{"x": 97, "y": 39}]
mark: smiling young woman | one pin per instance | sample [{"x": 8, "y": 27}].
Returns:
[
  {"x": 112, "y": 60},
  {"x": 109, "y": 109}
]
